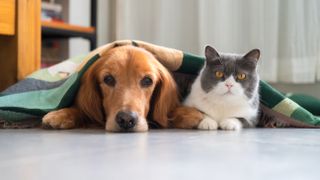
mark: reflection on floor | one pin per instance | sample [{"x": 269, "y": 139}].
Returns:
[{"x": 160, "y": 154}]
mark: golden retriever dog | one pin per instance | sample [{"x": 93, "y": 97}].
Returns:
[{"x": 119, "y": 91}]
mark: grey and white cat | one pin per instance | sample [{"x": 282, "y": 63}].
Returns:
[{"x": 226, "y": 90}]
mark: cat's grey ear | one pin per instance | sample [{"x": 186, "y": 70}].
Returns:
[
  {"x": 253, "y": 54},
  {"x": 211, "y": 53}
]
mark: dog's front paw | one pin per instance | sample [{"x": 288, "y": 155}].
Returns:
[
  {"x": 230, "y": 124},
  {"x": 58, "y": 120},
  {"x": 208, "y": 124}
]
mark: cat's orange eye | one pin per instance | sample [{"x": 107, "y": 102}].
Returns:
[
  {"x": 241, "y": 76},
  {"x": 219, "y": 74}
]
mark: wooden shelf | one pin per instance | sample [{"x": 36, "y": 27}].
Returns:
[
  {"x": 64, "y": 30},
  {"x": 67, "y": 27},
  {"x": 52, "y": 29}
]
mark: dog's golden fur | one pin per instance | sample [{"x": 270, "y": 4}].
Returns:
[
  {"x": 186, "y": 117},
  {"x": 98, "y": 102}
]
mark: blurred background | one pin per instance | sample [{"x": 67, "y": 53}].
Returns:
[{"x": 286, "y": 31}]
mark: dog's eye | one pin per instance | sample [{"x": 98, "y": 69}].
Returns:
[
  {"x": 109, "y": 80},
  {"x": 146, "y": 81}
]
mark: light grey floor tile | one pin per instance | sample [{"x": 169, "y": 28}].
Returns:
[{"x": 160, "y": 154}]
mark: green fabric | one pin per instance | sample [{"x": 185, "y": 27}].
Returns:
[
  {"x": 191, "y": 64},
  {"x": 305, "y": 116},
  {"x": 271, "y": 97},
  {"x": 310, "y": 103},
  {"x": 268, "y": 95},
  {"x": 24, "y": 104},
  {"x": 20, "y": 106},
  {"x": 34, "y": 100},
  {"x": 15, "y": 116}
]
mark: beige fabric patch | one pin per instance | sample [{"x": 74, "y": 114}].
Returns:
[
  {"x": 286, "y": 107},
  {"x": 170, "y": 58}
]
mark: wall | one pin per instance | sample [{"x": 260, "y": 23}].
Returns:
[
  {"x": 79, "y": 14},
  {"x": 104, "y": 23}
]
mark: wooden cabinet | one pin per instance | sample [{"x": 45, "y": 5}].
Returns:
[
  {"x": 20, "y": 39},
  {"x": 7, "y": 17}
]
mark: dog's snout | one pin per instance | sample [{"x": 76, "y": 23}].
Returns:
[{"x": 126, "y": 119}]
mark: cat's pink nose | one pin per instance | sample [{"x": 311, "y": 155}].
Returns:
[{"x": 229, "y": 86}]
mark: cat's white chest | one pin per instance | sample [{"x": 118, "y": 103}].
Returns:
[{"x": 218, "y": 107}]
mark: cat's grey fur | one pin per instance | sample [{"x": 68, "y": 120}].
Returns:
[{"x": 224, "y": 107}]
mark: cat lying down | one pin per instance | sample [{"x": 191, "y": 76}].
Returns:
[{"x": 226, "y": 91}]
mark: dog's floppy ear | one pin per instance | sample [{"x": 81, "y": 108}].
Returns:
[
  {"x": 166, "y": 99},
  {"x": 89, "y": 99}
]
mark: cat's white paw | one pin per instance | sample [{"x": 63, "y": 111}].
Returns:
[
  {"x": 232, "y": 124},
  {"x": 208, "y": 124}
]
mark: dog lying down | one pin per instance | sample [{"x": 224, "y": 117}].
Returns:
[{"x": 120, "y": 90}]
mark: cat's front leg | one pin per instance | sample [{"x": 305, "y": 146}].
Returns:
[
  {"x": 230, "y": 124},
  {"x": 208, "y": 124}
]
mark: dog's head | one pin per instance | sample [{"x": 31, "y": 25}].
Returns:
[{"x": 117, "y": 90}]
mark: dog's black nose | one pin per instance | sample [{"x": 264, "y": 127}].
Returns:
[{"x": 126, "y": 119}]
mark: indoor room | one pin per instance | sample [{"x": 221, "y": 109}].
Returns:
[{"x": 159, "y": 89}]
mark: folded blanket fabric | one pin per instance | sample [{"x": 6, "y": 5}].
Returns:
[
  {"x": 310, "y": 103},
  {"x": 23, "y": 104}
]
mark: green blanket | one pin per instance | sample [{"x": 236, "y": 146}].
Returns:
[{"x": 23, "y": 104}]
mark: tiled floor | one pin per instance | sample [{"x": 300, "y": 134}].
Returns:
[{"x": 160, "y": 154}]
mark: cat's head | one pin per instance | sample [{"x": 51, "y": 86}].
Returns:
[{"x": 230, "y": 74}]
